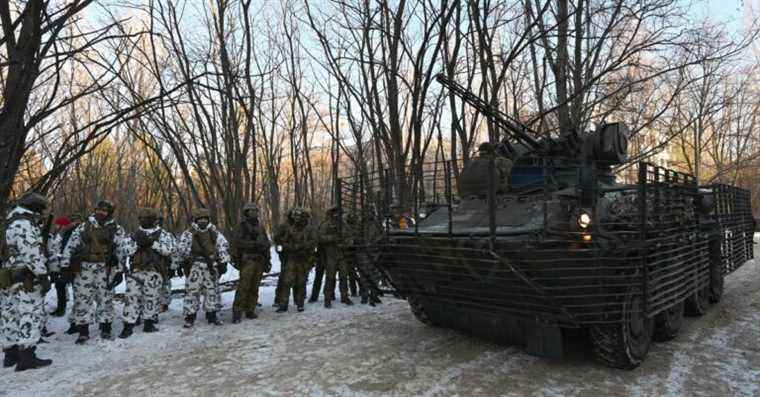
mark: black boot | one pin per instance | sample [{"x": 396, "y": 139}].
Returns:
[
  {"x": 328, "y": 304},
  {"x": 10, "y": 358},
  {"x": 27, "y": 359},
  {"x": 150, "y": 326},
  {"x": 126, "y": 332},
  {"x": 211, "y": 318},
  {"x": 300, "y": 308},
  {"x": 84, "y": 334},
  {"x": 365, "y": 299},
  {"x": 236, "y": 317},
  {"x": 251, "y": 314},
  {"x": 72, "y": 329},
  {"x": 189, "y": 321},
  {"x": 282, "y": 309},
  {"x": 139, "y": 320},
  {"x": 60, "y": 310},
  {"x": 105, "y": 330},
  {"x": 346, "y": 301},
  {"x": 374, "y": 300}
]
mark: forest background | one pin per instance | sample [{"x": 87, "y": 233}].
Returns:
[{"x": 177, "y": 104}]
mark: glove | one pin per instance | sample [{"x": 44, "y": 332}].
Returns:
[
  {"x": 22, "y": 275},
  {"x": 44, "y": 282},
  {"x": 117, "y": 279},
  {"x": 221, "y": 269},
  {"x": 67, "y": 275},
  {"x": 55, "y": 277}
]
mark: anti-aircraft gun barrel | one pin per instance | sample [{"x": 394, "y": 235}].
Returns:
[{"x": 512, "y": 127}]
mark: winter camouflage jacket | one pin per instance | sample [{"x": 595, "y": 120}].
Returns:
[
  {"x": 185, "y": 244},
  {"x": 24, "y": 240},
  {"x": 164, "y": 243},
  {"x": 76, "y": 244}
]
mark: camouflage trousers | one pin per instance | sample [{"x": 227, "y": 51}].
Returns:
[
  {"x": 143, "y": 296},
  {"x": 93, "y": 300},
  {"x": 335, "y": 268},
  {"x": 247, "y": 291},
  {"x": 294, "y": 275},
  {"x": 23, "y": 316},
  {"x": 166, "y": 291},
  {"x": 200, "y": 283}
]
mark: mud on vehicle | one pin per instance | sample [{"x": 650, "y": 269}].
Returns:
[{"x": 570, "y": 244}]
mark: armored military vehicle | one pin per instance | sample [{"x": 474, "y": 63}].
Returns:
[{"x": 536, "y": 237}]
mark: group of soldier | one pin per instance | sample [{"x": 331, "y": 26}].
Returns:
[{"x": 96, "y": 254}]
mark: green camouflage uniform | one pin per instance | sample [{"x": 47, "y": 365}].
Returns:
[
  {"x": 298, "y": 242},
  {"x": 250, "y": 250},
  {"x": 331, "y": 256}
]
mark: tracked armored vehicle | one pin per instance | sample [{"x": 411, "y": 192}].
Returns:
[{"x": 568, "y": 244}]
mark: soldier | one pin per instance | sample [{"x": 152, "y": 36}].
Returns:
[
  {"x": 370, "y": 276},
  {"x": 93, "y": 255},
  {"x": 251, "y": 256},
  {"x": 61, "y": 277},
  {"x": 166, "y": 290},
  {"x": 352, "y": 224},
  {"x": 331, "y": 256},
  {"x": 298, "y": 244},
  {"x": 205, "y": 253},
  {"x": 319, "y": 275},
  {"x": 26, "y": 283},
  {"x": 474, "y": 180},
  {"x": 149, "y": 249}
]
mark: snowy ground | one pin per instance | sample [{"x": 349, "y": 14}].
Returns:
[{"x": 361, "y": 350}]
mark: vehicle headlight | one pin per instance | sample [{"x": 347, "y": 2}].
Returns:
[{"x": 584, "y": 220}]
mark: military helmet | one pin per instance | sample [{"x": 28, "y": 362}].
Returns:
[
  {"x": 106, "y": 206},
  {"x": 199, "y": 213},
  {"x": 33, "y": 202},
  {"x": 147, "y": 213},
  {"x": 298, "y": 213},
  {"x": 486, "y": 147},
  {"x": 251, "y": 208}
]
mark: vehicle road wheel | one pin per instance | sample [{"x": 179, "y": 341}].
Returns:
[
  {"x": 716, "y": 272},
  {"x": 624, "y": 345},
  {"x": 698, "y": 303},
  {"x": 668, "y": 324},
  {"x": 418, "y": 309}
]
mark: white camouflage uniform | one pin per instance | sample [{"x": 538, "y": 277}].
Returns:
[
  {"x": 93, "y": 300},
  {"x": 23, "y": 314},
  {"x": 200, "y": 281},
  {"x": 145, "y": 287}
]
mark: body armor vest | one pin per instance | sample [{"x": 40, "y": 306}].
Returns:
[
  {"x": 204, "y": 244},
  {"x": 99, "y": 242},
  {"x": 147, "y": 259}
]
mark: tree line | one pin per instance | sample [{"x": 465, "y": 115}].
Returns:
[{"x": 177, "y": 104}]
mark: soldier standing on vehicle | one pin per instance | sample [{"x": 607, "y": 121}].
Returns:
[
  {"x": 205, "y": 253},
  {"x": 149, "y": 249},
  {"x": 23, "y": 285},
  {"x": 93, "y": 255},
  {"x": 330, "y": 253},
  {"x": 251, "y": 254},
  {"x": 298, "y": 243}
]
